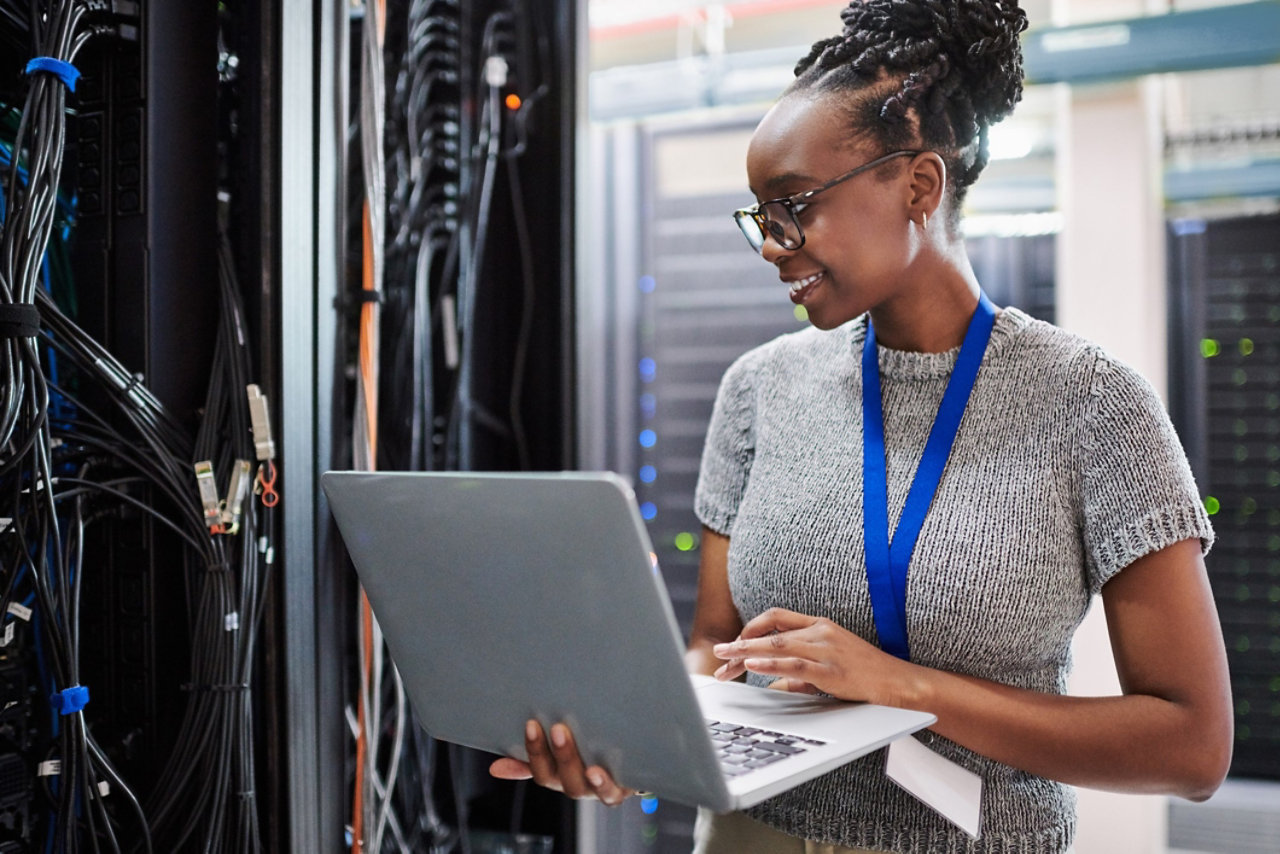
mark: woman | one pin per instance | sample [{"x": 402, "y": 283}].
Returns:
[{"x": 1058, "y": 477}]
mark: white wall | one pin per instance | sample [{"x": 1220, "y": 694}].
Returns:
[{"x": 1111, "y": 286}]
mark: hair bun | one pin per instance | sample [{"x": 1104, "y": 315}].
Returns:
[
  {"x": 986, "y": 52},
  {"x": 979, "y": 37},
  {"x": 953, "y": 65}
]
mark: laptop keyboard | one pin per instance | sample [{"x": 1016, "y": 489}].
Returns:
[{"x": 742, "y": 749}]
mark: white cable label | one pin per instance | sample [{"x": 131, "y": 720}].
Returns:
[
  {"x": 104, "y": 788},
  {"x": 22, "y": 612},
  {"x": 8, "y": 634},
  {"x": 232, "y": 621},
  {"x": 49, "y": 768}
]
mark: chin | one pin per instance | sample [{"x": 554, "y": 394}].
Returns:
[{"x": 827, "y": 321}]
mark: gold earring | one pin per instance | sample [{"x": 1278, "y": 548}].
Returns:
[{"x": 924, "y": 220}]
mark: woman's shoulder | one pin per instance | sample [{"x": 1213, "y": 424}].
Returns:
[
  {"x": 1075, "y": 370},
  {"x": 1069, "y": 356},
  {"x": 799, "y": 350}
]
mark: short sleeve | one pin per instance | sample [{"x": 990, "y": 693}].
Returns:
[
  {"x": 728, "y": 452},
  {"x": 1139, "y": 495}
]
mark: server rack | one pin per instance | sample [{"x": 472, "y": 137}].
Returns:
[{"x": 1225, "y": 399}]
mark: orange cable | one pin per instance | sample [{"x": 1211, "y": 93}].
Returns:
[
  {"x": 369, "y": 378},
  {"x": 368, "y": 328}
]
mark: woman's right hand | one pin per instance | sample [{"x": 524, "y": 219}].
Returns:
[{"x": 557, "y": 765}]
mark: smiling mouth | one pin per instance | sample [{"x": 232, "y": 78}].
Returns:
[{"x": 801, "y": 288}]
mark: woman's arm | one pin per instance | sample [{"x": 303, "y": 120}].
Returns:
[
  {"x": 1170, "y": 732},
  {"x": 715, "y": 618}
]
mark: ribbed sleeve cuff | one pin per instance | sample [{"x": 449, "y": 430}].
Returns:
[
  {"x": 1157, "y": 530},
  {"x": 718, "y": 519}
]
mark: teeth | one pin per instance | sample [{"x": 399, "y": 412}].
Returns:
[{"x": 801, "y": 284}]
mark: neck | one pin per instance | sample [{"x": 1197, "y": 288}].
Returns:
[{"x": 932, "y": 317}]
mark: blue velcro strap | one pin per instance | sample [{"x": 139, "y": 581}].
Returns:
[
  {"x": 69, "y": 700},
  {"x": 65, "y": 71}
]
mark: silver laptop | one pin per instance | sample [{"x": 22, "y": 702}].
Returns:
[{"x": 506, "y": 597}]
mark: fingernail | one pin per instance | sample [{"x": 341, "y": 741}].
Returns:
[
  {"x": 720, "y": 648},
  {"x": 558, "y": 736},
  {"x": 531, "y": 731},
  {"x": 596, "y": 778}
]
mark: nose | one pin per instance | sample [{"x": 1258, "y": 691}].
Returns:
[{"x": 773, "y": 251}]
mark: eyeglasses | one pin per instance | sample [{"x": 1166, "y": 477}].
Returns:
[{"x": 776, "y": 218}]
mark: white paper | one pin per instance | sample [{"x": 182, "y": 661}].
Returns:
[{"x": 954, "y": 792}]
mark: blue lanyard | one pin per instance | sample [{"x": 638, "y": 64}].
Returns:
[{"x": 887, "y": 562}]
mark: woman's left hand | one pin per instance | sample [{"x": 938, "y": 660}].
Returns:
[{"x": 815, "y": 655}]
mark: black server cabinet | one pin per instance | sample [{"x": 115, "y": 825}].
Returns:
[
  {"x": 1225, "y": 399},
  {"x": 519, "y": 333}
]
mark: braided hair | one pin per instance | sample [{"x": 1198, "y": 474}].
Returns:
[{"x": 932, "y": 74}]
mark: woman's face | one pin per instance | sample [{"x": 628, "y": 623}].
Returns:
[{"x": 858, "y": 242}]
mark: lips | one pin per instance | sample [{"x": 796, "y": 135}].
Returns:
[{"x": 802, "y": 288}]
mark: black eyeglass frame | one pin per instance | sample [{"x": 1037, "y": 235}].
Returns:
[{"x": 761, "y": 222}]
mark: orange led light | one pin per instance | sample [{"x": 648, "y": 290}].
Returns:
[{"x": 513, "y": 101}]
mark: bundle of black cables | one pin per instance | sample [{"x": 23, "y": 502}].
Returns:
[
  {"x": 206, "y": 792},
  {"x": 40, "y": 548},
  {"x": 113, "y": 452},
  {"x": 423, "y": 153}
]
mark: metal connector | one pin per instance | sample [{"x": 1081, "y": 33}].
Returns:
[
  {"x": 263, "y": 444},
  {"x": 237, "y": 492},
  {"x": 208, "y": 493}
]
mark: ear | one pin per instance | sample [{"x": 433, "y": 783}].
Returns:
[{"x": 927, "y": 176}]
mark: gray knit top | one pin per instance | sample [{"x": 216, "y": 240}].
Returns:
[{"x": 1066, "y": 469}]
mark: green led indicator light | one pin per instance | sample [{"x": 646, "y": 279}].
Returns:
[
  {"x": 1242, "y": 453},
  {"x": 1242, "y": 642},
  {"x": 685, "y": 541},
  {"x": 801, "y": 313},
  {"x": 1275, "y": 685},
  {"x": 1241, "y": 427},
  {"x": 1273, "y": 401},
  {"x": 1246, "y": 346},
  {"x": 1209, "y": 347},
  {"x": 1239, "y": 377},
  {"x": 1243, "y": 707},
  {"x": 1273, "y": 543},
  {"x": 1248, "y": 507},
  {"x": 1243, "y": 733},
  {"x": 1212, "y": 505},
  {"x": 1274, "y": 596}
]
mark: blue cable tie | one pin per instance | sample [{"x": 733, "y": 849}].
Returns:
[
  {"x": 65, "y": 71},
  {"x": 69, "y": 700}
]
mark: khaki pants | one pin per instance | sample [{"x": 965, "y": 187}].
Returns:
[{"x": 737, "y": 833}]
